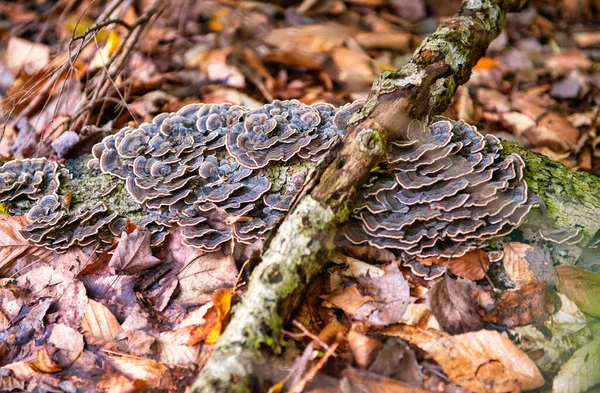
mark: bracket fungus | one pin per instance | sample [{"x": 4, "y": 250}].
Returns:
[
  {"x": 27, "y": 180},
  {"x": 442, "y": 191},
  {"x": 227, "y": 173}
]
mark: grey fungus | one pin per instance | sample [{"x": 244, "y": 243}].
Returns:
[
  {"x": 224, "y": 173},
  {"x": 204, "y": 168},
  {"x": 28, "y": 180},
  {"x": 449, "y": 193},
  {"x": 54, "y": 228}
]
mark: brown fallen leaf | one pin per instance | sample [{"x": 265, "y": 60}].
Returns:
[
  {"x": 390, "y": 294},
  {"x": 45, "y": 363},
  {"x": 568, "y": 60},
  {"x": 306, "y": 46},
  {"x": 473, "y": 265},
  {"x": 99, "y": 324},
  {"x": 533, "y": 303},
  {"x": 214, "y": 318},
  {"x": 484, "y": 361},
  {"x": 586, "y": 39},
  {"x": 525, "y": 263},
  {"x": 365, "y": 381},
  {"x": 554, "y": 132},
  {"x": 203, "y": 274},
  {"x": 581, "y": 286},
  {"x": 27, "y": 55},
  {"x": 68, "y": 341},
  {"x": 362, "y": 346},
  {"x": 453, "y": 305},
  {"x": 349, "y": 300},
  {"x": 145, "y": 373},
  {"x": 133, "y": 253},
  {"x": 68, "y": 294},
  {"x": 13, "y": 246},
  {"x": 412, "y": 334}
]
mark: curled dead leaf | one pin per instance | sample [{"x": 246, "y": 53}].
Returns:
[{"x": 484, "y": 361}]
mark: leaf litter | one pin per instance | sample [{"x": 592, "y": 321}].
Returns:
[{"x": 131, "y": 319}]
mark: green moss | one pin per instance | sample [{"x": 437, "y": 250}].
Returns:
[
  {"x": 571, "y": 198},
  {"x": 88, "y": 187}
]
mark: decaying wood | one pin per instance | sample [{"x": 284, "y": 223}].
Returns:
[{"x": 299, "y": 248}]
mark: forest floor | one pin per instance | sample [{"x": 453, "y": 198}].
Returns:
[{"x": 502, "y": 319}]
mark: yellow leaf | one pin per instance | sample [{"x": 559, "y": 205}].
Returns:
[
  {"x": 45, "y": 363},
  {"x": 76, "y": 26},
  {"x": 112, "y": 43}
]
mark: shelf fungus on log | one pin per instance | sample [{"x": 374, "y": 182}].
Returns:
[
  {"x": 26, "y": 181},
  {"x": 227, "y": 173},
  {"x": 215, "y": 170},
  {"x": 442, "y": 192}
]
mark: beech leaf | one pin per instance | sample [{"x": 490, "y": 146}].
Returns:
[
  {"x": 484, "y": 361},
  {"x": 581, "y": 371}
]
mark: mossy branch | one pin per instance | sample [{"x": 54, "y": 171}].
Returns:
[{"x": 423, "y": 87}]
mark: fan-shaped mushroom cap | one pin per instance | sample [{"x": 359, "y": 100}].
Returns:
[
  {"x": 28, "y": 179},
  {"x": 54, "y": 228},
  {"x": 449, "y": 193},
  {"x": 281, "y": 130}
]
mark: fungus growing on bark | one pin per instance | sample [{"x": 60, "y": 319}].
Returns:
[
  {"x": 52, "y": 227},
  {"x": 225, "y": 172},
  {"x": 27, "y": 179},
  {"x": 448, "y": 191},
  {"x": 204, "y": 167}
]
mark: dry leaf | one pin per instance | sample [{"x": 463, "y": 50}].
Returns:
[
  {"x": 99, "y": 324},
  {"x": 146, "y": 373},
  {"x": 45, "y": 363},
  {"x": 133, "y": 253},
  {"x": 413, "y": 335},
  {"x": 568, "y": 60},
  {"x": 533, "y": 303},
  {"x": 554, "y": 132},
  {"x": 26, "y": 55},
  {"x": 484, "y": 361},
  {"x": 365, "y": 381},
  {"x": 66, "y": 292},
  {"x": 68, "y": 340},
  {"x": 363, "y": 347},
  {"x": 581, "y": 371},
  {"x": 349, "y": 300},
  {"x": 473, "y": 265},
  {"x": 520, "y": 260},
  {"x": 453, "y": 305},
  {"x": 586, "y": 39},
  {"x": 390, "y": 296},
  {"x": 485, "y": 63},
  {"x": 12, "y": 244},
  {"x": 203, "y": 274},
  {"x": 581, "y": 286}
]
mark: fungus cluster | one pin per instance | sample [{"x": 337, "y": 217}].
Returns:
[
  {"x": 204, "y": 167},
  {"x": 224, "y": 172},
  {"x": 443, "y": 193},
  {"x": 27, "y": 180},
  {"x": 55, "y": 228}
]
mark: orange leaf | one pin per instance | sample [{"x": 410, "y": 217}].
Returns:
[
  {"x": 485, "y": 63},
  {"x": 222, "y": 304},
  {"x": 45, "y": 363},
  {"x": 210, "y": 331}
]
